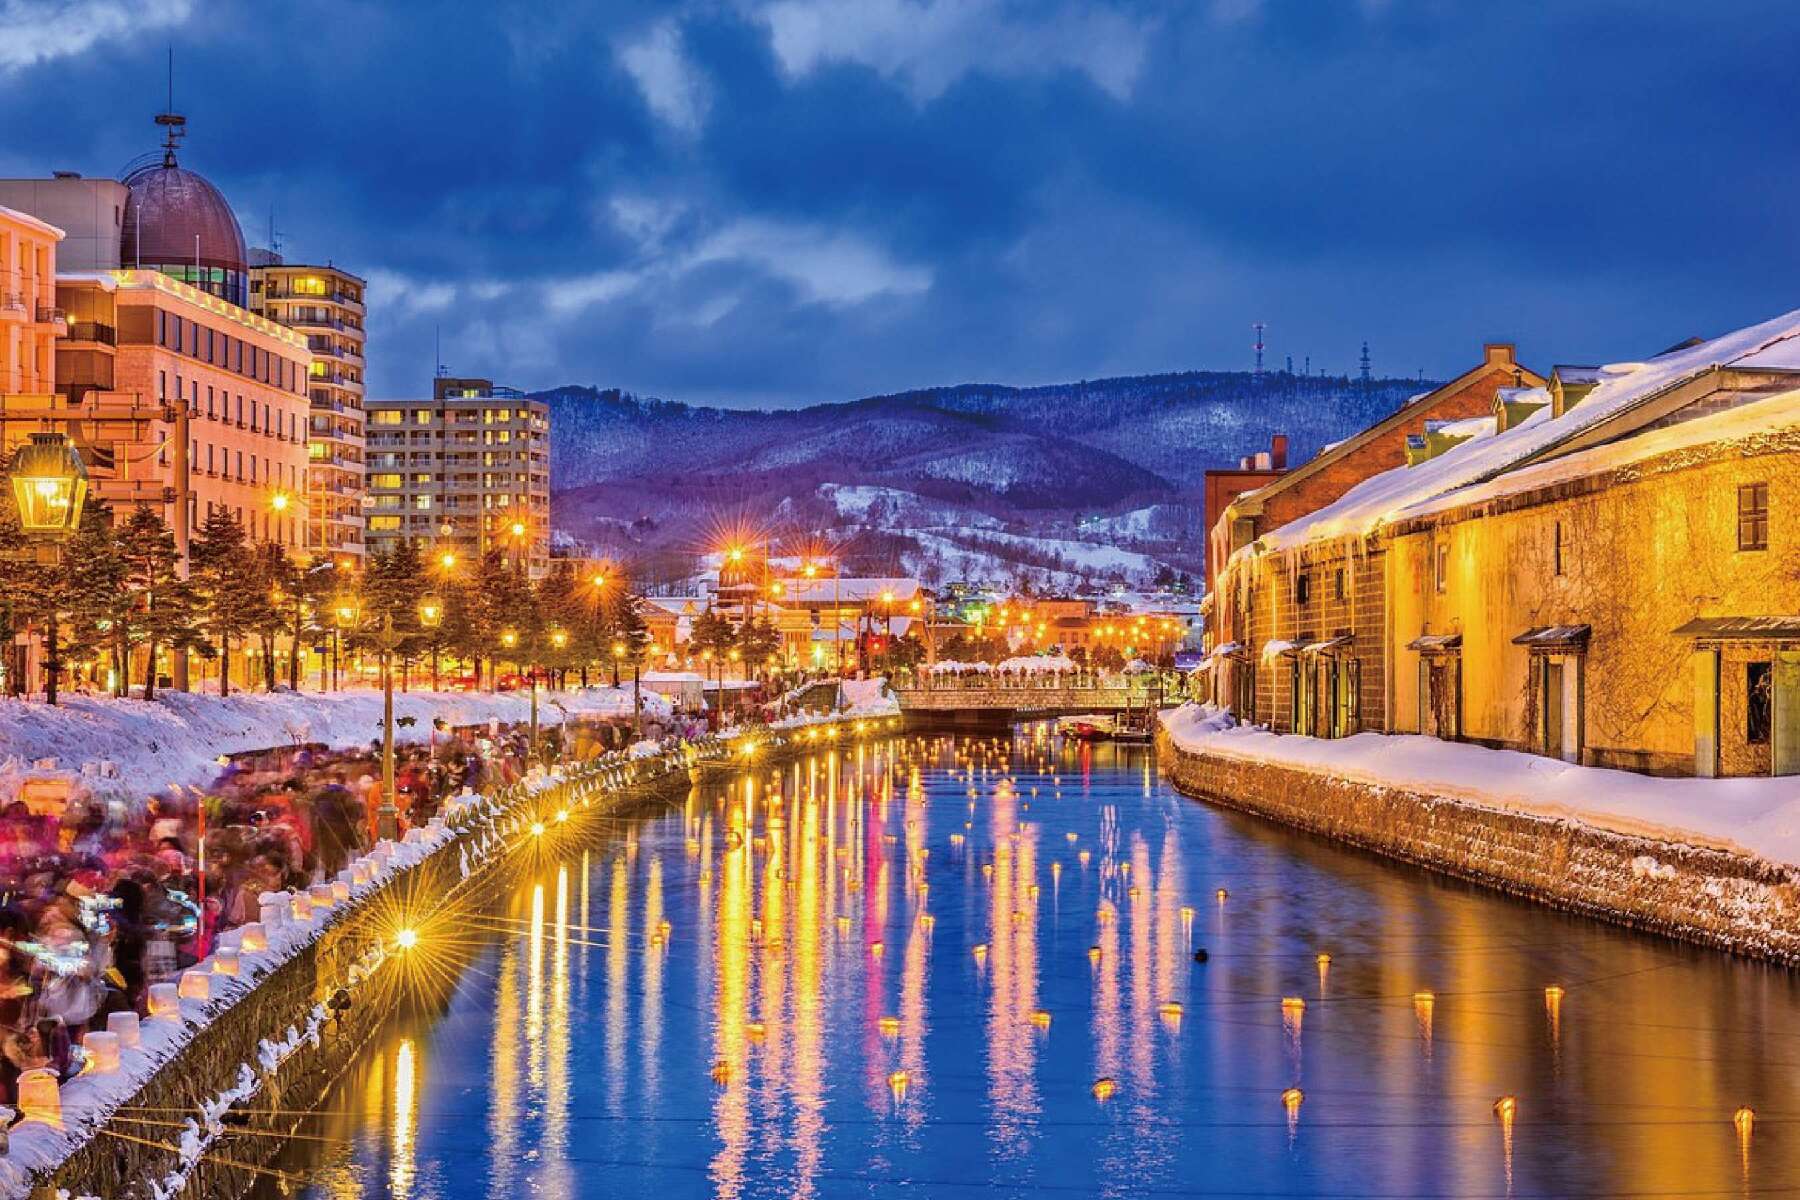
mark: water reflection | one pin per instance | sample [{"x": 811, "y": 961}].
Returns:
[{"x": 962, "y": 966}]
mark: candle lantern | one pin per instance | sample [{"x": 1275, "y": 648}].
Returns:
[
  {"x": 322, "y": 895},
  {"x": 40, "y": 1099},
  {"x": 164, "y": 1001},
  {"x": 195, "y": 985},
  {"x": 102, "y": 1051},
  {"x": 302, "y": 908},
  {"x": 124, "y": 1026},
  {"x": 340, "y": 890},
  {"x": 252, "y": 939},
  {"x": 225, "y": 961}
]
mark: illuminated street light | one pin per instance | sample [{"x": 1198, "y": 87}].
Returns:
[{"x": 49, "y": 486}]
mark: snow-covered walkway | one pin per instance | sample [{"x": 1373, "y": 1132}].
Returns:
[{"x": 140, "y": 747}]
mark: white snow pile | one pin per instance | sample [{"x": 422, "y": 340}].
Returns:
[
  {"x": 868, "y": 698},
  {"x": 136, "y": 746},
  {"x": 949, "y": 666},
  {"x": 1759, "y": 816}
]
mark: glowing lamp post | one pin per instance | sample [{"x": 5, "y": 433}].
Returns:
[
  {"x": 49, "y": 484},
  {"x": 431, "y": 616}
]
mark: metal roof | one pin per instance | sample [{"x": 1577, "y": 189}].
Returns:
[
  {"x": 1555, "y": 637},
  {"x": 1428, "y": 643},
  {"x": 1741, "y": 628}
]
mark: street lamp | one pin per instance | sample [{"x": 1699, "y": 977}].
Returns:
[
  {"x": 49, "y": 487},
  {"x": 49, "y": 483},
  {"x": 431, "y": 616}
]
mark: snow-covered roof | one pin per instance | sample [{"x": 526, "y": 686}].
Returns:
[
  {"x": 832, "y": 590},
  {"x": 1754, "y": 421},
  {"x": 31, "y": 222},
  {"x": 1622, "y": 387}
]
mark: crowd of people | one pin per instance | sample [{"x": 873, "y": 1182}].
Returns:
[{"x": 108, "y": 894}]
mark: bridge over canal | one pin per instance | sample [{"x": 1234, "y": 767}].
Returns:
[{"x": 995, "y": 699}]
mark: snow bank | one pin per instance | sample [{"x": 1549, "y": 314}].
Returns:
[
  {"x": 141, "y": 746},
  {"x": 868, "y": 698},
  {"x": 1757, "y": 816}
]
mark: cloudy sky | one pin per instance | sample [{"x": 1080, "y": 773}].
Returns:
[{"x": 748, "y": 202}]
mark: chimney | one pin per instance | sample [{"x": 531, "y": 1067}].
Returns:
[
  {"x": 1278, "y": 451},
  {"x": 1263, "y": 462},
  {"x": 1498, "y": 353},
  {"x": 1245, "y": 463}
]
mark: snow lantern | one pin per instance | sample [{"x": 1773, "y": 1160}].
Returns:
[
  {"x": 102, "y": 1051},
  {"x": 322, "y": 895},
  {"x": 340, "y": 890},
  {"x": 225, "y": 961},
  {"x": 252, "y": 939},
  {"x": 124, "y": 1026},
  {"x": 165, "y": 1001},
  {"x": 195, "y": 985},
  {"x": 275, "y": 909},
  {"x": 303, "y": 907},
  {"x": 40, "y": 1099}
]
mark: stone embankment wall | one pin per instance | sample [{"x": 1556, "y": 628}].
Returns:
[
  {"x": 1714, "y": 897},
  {"x": 245, "y": 1097}
]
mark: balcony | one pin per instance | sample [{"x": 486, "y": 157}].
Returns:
[
  {"x": 93, "y": 331},
  {"x": 13, "y": 306}
]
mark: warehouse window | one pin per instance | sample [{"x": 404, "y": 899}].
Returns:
[{"x": 1753, "y": 516}]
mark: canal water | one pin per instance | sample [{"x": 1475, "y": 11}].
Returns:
[{"x": 965, "y": 967}]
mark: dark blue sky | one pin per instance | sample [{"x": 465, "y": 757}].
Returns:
[{"x": 742, "y": 202}]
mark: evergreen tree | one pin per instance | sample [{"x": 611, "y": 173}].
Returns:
[
  {"x": 757, "y": 641},
  {"x": 275, "y": 580},
  {"x": 95, "y": 575},
  {"x": 559, "y": 608},
  {"x": 164, "y": 609},
  {"x": 711, "y": 633},
  {"x": 219, "y": 572}
]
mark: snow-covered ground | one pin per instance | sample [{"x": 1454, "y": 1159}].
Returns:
[
  {"x": 1759, "y": 816},
  {"x": 138, "y": 747}
]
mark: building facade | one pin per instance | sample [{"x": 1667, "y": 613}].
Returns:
[
  {"x": 30, "y": 321},
  {"x": 1604, "y": 570},
  {"x": 326, "y": 304},
  {"x": 463, "y": 472}
]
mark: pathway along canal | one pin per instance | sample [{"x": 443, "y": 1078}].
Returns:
[{"x": 802, "y": 1029}]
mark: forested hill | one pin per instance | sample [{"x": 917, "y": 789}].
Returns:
[{"x": 1090, "y": 444}]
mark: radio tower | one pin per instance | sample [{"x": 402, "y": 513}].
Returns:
[
  {"x": 1366, "y": 376},
  {"x": 1259, "y": 327}
]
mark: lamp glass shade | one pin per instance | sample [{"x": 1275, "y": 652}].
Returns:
[{"x": 49, "y": 484}]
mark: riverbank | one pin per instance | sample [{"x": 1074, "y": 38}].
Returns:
[
  {"x": 253, "y": 1035},
  {"x": 1706, "y": 861}
]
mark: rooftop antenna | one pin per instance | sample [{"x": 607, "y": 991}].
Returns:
[
  {"x": 1259, "y": 327},
  {"x": 170, "y": 120},
  {"x": 274, "y": 234},
  {"x": 437, "y": 353}
]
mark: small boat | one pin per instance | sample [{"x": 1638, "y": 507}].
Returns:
[{"x": 1089, "y": 727}]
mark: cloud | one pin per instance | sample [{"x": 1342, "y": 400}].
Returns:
[
  {"x": 392, "y": 293},
  {"x": 927, "y": 45},
  {"x": 673, "y": 88},
  {"x": 35, "y": 31},
  {"x": 826, "y": 266},
  {"x": 831, "y": 267}
]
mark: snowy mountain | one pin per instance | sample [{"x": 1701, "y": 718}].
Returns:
[{"x": 1091, "y": 480}]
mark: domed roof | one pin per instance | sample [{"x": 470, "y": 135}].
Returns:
[{"x": 168, "y": 208}]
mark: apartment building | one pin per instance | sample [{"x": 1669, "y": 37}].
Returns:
[
  {"x": 30, "y": 321},
  {"x": 466, "y": 471},
  {"x": 326, "y": 304}
]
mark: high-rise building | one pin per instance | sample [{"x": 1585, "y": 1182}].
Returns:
[
  {"x": 461, "y": 473},
  {"x": 325, "y": 303}
]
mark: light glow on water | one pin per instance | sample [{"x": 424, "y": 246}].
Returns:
[{"x": 812, "y": 979}]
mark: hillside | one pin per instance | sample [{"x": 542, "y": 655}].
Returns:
[{"x": 1044, "y": 466}]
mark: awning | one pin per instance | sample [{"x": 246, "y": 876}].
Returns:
[
  {"x": 1555, "y": 637},
  {"x": 1276, "y": 648},
  {"x": 1762, "y": 629},
  {"x": 1228, "y": 649},
  {"x": 1436, "y": 643},
  {"x": 1329, "y": 645}
]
